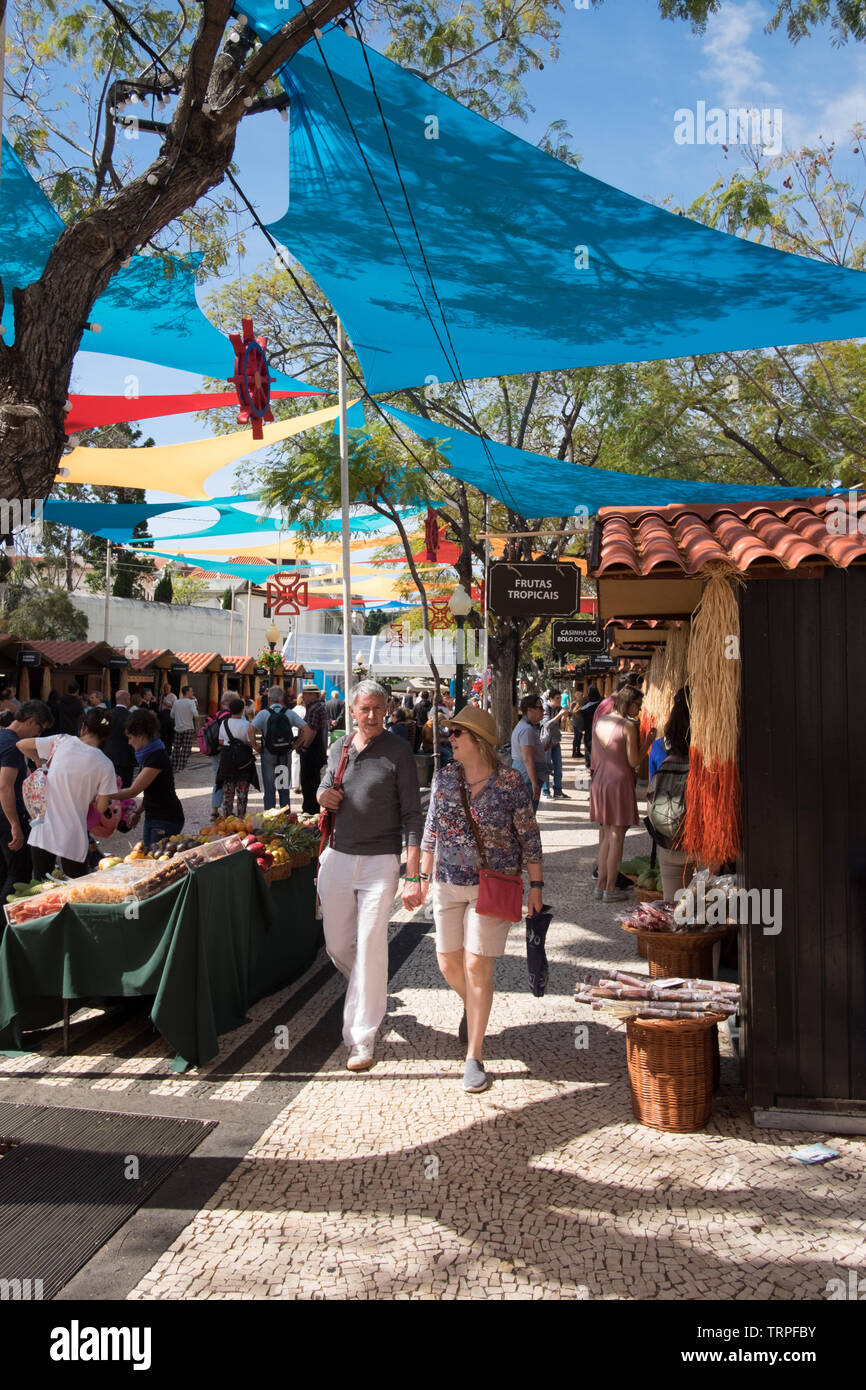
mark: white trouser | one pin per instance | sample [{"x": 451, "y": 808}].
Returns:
[{"x": 357, "y": 893}]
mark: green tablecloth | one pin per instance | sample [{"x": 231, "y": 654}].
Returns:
[{"x": 206, "y": 949}]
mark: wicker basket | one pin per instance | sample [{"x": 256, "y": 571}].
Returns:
[
  {"x": 689, "y": 954},
  {"x": 673, "y": 1071},
  {"x": 640, "y": 942},
  {"x": 277, "y": 872}
]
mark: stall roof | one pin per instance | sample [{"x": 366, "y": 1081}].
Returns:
[
  {"x": 149, "y": 656},
  {"x": 681, "y": 539},
  {"x": 70, "y": 654},
  {"x": 201, "y": 661}
]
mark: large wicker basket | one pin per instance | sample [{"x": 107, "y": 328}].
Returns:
[
  {"x": 673, "y": 1068},
  {"x": 689, "y": 954}
]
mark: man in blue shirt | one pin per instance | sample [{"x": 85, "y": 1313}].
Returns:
[
  {"x": 33, "y": 719},
  {"x": 276, "y": 760}
]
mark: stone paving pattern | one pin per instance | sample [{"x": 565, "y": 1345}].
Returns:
[{"x": 395, "y": 1184}]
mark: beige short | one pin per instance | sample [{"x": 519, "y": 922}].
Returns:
[{"x": 458, "y": 926}]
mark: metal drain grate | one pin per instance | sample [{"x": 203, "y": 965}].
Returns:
[{"x": 71, "y": 1180}]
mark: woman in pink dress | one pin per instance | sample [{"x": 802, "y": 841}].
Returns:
[{"x": 616, "y": 756}]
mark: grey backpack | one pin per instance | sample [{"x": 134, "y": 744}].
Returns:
[{"x": 666, "y": 800}]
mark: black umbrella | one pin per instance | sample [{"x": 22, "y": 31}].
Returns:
[{"x": 536, "y": 956}]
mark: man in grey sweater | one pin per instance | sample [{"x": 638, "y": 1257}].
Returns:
[{"x": 375, "y": 805}]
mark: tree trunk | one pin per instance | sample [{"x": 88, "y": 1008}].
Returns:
[
  {"x": 506, "y": 646},
  {"x": 69, "y": 581},
  {"x": 51, "y": 314}
]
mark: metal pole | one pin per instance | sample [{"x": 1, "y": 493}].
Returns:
[
  {"x": 107, "y": 588},
  {"x": 246, "y": 651},
  {"x": 2, "y": 62},
  {"x": 459, "y": 678},
  {"x": 232, "y": 623},
  {"x": 485, "y": 692},
  {"x": 344, "y": 504}
]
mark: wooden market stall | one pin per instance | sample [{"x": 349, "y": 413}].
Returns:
[
  {"x": 36, "y": 668},
  {"x": 157, "y": 668},
  {"x": 800, "y": 586}
]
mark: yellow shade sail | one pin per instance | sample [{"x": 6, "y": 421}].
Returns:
[{"x": 181, "y": 468}]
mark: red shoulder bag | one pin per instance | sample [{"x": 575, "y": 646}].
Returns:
[
  {"x": 499, "y": 895},
  {"x": 326, "y": 819}
]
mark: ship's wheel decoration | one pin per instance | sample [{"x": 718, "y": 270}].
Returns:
[
  {"x": 252, "y": 378},
  {"x": 440, "y": 618},
  {"x": 286, "y": 593}
]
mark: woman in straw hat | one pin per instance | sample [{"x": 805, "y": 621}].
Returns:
[{"x": 468, "y": 944}]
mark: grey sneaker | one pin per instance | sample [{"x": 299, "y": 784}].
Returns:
[
  {"x": 615, "y": 895},
  {"x": 474, "y": 1077},
  {"x": 597, "y": 892},
  {"x": 463, "y": 1030}
]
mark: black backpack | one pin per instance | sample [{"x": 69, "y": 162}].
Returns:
[
  {"x": 666, "y": 800},
  {"x": 279, "y": 733}
]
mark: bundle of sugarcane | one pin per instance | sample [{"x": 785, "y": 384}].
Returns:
[
  {"x": 630, "y": 996},
  {"x": 711, "y": 833}
]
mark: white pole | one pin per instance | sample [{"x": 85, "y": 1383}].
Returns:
[
  {"x": 485, "y": 693},
  {"x": 232, "y": 624},
  {"x": 107, "y": 588},
  {"x": 246, "y": 651},
  {"x": 344, "y": 504}
]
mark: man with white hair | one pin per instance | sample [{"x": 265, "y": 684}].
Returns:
[
  {"x": 370, "y": 787},
  {"x": 274, "y": 740}
]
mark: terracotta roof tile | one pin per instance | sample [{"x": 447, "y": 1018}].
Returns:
[
  {"x": 198, "y": 661},
  {"x": 804, "y": 531},
  {"x": 65, "y": 653},
  {"x": 147, "y": 656}
]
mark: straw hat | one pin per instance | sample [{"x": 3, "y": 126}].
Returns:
[
  {"x": 478, "y": 722},
  {"x": 311, "y": 690}
]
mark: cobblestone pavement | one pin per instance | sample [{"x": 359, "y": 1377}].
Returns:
[{"x": 395, "y": 1184}]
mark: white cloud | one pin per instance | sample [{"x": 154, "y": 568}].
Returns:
[
  {"x": 834, "y": 114},
  {"x": 733, "y": 67}
]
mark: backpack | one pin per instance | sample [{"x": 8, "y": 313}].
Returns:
[
  {"x": 240, "y": 756},
  {"x": 666, "y": 800},
  {"x": 209, "y": 734},
  {"x": 279, "y": 733}
]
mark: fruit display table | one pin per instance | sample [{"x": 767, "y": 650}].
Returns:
[{"x": 205, "y": 949}]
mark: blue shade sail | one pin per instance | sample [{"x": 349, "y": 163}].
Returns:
[
  {"x": 257, "y": 574},
  {"x": 527, "y": 264},
  {"x": 149, "y": 311},
  {"x": 116, "y": 521},
  {"x": 537, "y": 485}
]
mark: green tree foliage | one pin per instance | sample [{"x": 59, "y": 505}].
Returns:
[
  {"x": 227, "y": 599},
  {"x": 374, "y": 620},
  {"x": 44, "y": 615},
  {"x": 163, "y": 593},
  {"x": 847, "y": 18},
  {"x": 188, "y": 589}
]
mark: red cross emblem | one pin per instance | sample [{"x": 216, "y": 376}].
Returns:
[
  {"x": 440, "y": 614},
  {"x": 286, "y": 593}
]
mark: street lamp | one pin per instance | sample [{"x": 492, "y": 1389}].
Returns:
[
  {"x": 272, "y": 636},
  {"x": 461, "y": 606}
]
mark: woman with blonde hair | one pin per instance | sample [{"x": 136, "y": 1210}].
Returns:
[{"x": 480, "y": 816}]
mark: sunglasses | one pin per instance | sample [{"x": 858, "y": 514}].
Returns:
[{"x": 457, "y": 733}]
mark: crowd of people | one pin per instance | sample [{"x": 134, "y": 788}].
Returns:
[{"x": 479, "y": 837}]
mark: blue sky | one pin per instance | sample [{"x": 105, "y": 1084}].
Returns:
[{"x": 622, "y": 74}]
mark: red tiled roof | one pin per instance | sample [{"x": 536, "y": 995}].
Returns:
[
  {"x": 66, "y": 653},
  {"x": 147, "y": 656},
  {"x": 198, "y": 661},
  {"x": 650, "y": 540}
]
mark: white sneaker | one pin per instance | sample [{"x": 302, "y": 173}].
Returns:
[{"x": 360, "y": 1059}]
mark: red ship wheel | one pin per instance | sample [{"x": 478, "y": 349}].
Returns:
[{"x": 252, "y": 378}]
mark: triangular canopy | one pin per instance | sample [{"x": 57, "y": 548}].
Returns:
[
  {"x": 537, "y": 485},
  {"x": 524, "y": 263}
]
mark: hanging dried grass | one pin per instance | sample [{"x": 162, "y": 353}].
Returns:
[
  {"x": 652, "y": 714},
  {"x": 712, "y": 831},
  {"x": 675, "y": 670}
]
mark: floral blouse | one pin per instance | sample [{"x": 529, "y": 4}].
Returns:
[{"x": 503, "y": 814}]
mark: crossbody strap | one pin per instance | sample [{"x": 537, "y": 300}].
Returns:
[
  {"x": 482, "y": 853},
  {"x": 338, "y": 778}
]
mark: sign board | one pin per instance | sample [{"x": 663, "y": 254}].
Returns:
[
  {"x": 263, "y": 673},
  {"x": 533, "y": 589},
  {"x": 179, "y": 668},
  {"x": 601, "y": 663},
  {"x": 585, "y": 638},
  {"x": 117, "y": 663},
  {"x": 227, "y": 668},
  {"x": 30, "y": 658},
  {"x": 266, "y": 611}
]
